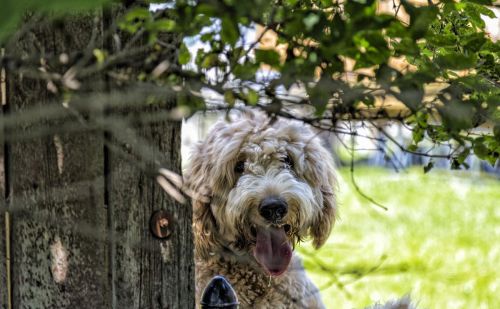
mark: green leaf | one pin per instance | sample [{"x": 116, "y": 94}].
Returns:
[
  {"x": 420, "y": 18},
  {"x": 268, "y": 56},
  {"x": 137, "y": 13},
  {"x": 385, "y": 74},
  {"x": 99, "y": 54},
  {"x": 438, "y": 134},
  {"x": 442, "y": 39},
  {"x": 229, "y": 97},
  {"x": 357, "y": 8},
  {"x": 457, "y": 115},
  {"x": 209, "y": 61},
  {"x": 411, "y": 94},
  {"x": 428, "y": 167},
  {"x": 463, "y": 155},
  {"x": 455, "y": 165},
  {"x": 207, "y": 37},
  {"x": 496, "y": 132},
  {"x": 473, "y": 42},
  {"x": 456, "y": 61},
  {"x": 252, "y": 97},
  {"x": 480, "y": 149},
  {"x": 372, "y": 47},
  {"x": 475, "y": 83},
  {"x": 184, "y": 55},
  {"x": 246, "y": 71},
  {"x": 321, "y": 91},
  {"x": 230, "y": 32},
  {"x": 310, "y": 21},
  {"x": 481, "y": 9},
  {"x": 492, "y": 160},
  {"x": 164, "y": 25},
  {"x": 417, "y": 135},
  {"x": 474, "y": 12},
  {"x": 412, "y": 147}
]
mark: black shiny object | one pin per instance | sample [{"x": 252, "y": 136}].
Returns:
[
  {"x": 273, "y": 209},
  {"x": 219, "y": 294}
]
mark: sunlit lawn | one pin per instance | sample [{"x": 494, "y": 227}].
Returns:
[{"x": 439, "y": 241}]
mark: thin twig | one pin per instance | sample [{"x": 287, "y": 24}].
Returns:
[{"x": 353, "y": 180}]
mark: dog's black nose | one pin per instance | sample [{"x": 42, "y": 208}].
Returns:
[{"x": 273, "y": 208}]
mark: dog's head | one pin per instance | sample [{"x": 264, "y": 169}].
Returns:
[{"x": 258, "y": 188}]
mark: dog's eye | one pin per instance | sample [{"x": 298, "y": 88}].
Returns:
[
  {"x": 239, "y": 167},
  {"x": 288, "y": 161}
]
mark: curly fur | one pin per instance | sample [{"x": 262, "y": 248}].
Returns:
[{"x": 280, "y": 158}]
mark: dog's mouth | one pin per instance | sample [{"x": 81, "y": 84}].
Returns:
[{"x": 273, "y": 250}]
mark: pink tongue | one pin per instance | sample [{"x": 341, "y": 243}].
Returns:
[{"x": 272, "y": 250}]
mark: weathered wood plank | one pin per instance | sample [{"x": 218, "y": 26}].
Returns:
[
  {"x": 148, "y": 272},
  {"x": 80, "y": 212},
  {"x": 56, "y": 193},
  {"x": 151, "y": 273},
  {"x": 4, "y": 291}
]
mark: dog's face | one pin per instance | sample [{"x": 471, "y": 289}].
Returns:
[{"x": 259, "y": 187}]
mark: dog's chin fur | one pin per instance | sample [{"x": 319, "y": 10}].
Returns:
[{"x": 238, "y": 165}]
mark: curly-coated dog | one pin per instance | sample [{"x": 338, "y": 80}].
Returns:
[{"x": 259, "y": 186}]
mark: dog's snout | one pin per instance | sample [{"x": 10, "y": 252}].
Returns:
[{"x": 273, "y": 208}]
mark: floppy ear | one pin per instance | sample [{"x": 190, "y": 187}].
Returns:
[
  {"x": 205, "y": 228},
  {"x": 204, "y": 223},
  {"x": 324, "y": 224},
  {"x": 320, "y": 171}
]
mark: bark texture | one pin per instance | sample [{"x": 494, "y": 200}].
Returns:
[
  {"x": 150, "y": 273},
  {"x": 80, "y": 203},
  {"x": 56, "y": 189},
  {"x": 3, "y": 219}
]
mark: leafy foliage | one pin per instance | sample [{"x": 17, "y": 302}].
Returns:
[
  {"x": 342, "y": 55},
  {"x": 443, "y": 44},
  {"x": 13, "y": 11}
]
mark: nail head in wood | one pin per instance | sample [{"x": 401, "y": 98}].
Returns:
[{"x": 161, "y": 224}]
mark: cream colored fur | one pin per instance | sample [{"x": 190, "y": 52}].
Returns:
[{"x": 226, "y": 205}]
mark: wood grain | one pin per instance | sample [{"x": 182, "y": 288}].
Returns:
[
  {"x": 80, "y": 202},
  {"x": 56, "y": 193}
]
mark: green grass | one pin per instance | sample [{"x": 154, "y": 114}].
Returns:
[{"x": 438, "y": 241}]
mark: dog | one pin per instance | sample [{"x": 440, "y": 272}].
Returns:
[{"x": 259, "y": 185}]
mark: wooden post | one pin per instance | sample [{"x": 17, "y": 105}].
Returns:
[
  {"x": 80, "y": 209},
  {"x": 150, "y": 272},
  {"x": 4, "y": 216},
  {"x": 56, "y": 187}
]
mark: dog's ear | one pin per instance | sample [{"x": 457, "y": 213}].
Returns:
[
  {"x": 324, "y": 224},
  {"x": 198, "y": 186},
  {"x": 320, "y": 174},
  {"x": 195, "y": 175},
  {"x": 204, "y": 225}
]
